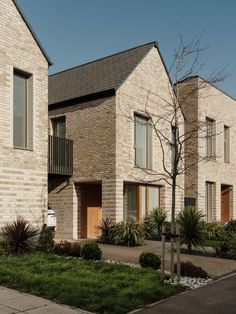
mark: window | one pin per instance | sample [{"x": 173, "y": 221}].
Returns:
[
  {"x": 22, "y": 110},
  {"x": 59, "y": 127},
  {"x": 130, "y": 202},
  {"x": 226, "y": 144},
  {"x": 210, "y": 137},
  {"x": 210, "y": 200},
  {"x": 143, "y": 143},
  {"x": 190, "y": 201},
  {"x": 139, "y": 200}
]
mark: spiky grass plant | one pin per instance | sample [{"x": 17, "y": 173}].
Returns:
[
  {"x": 20, "y": 236},
  {"x": 190, "y": 220}
]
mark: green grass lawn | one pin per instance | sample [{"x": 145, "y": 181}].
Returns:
[{"x": 94, "y": 286}]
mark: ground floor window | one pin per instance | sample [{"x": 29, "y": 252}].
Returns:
[
  {"x": 139, "y": 200},
  {"x": 210, "y": 200}
]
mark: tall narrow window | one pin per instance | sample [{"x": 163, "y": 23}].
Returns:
[
  {"x": 210, "y": 191},
  {"x": 143, "y": 143},
  {"x": 210, "y": 137},
  {"x": 20, "y": 110},
  {"x": 226, "y": 144},
  {"x": 59, "y": 127}
]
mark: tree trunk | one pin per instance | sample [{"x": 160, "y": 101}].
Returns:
[{"x": 172, "y": 247}]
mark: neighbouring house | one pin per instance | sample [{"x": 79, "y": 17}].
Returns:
[
  {"x": 23, "y": 117},
  {"x": 210, "y": 184},
  {"x": 103, "y": 155}
]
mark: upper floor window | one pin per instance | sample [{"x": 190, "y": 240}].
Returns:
[
  {"x": 143, "y": 142},
  {"x": 59, "y": 127},
  {"x": 22, "y": 110},
  {"x": 210, "y": 138},
  {"x": 226, "y": 144}
]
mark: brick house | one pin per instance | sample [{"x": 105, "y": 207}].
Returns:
[
  {"x": 99, "y": 108},
  {"x": 210, "y": 184},
  {"x": 23, "y": 115}
]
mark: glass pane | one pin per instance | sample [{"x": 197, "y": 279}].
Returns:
[
  {"x": 141, "y": 142},
  {"x": 59, "y": 128},
  {"x": 153, "y": 198},
  {"x": 143, "y": 201},
  {"x": 20, "y": 110},
  {"x": 130, "y": 202}
]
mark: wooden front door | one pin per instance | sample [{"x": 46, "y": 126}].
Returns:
[
  {"x": 225, "y": 205},
  {"x": 94, "y": 217}
]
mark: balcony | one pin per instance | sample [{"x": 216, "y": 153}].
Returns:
[{"x": 60, "y": 156}]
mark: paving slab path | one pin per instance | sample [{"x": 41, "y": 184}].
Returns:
[
  {"x": 215, "y": 267},
  {"x": 218, "y": 297},
  {"x": 12, "y": 302}
]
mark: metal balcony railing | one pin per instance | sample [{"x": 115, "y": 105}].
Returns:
[{"x": 60, "y": 156}]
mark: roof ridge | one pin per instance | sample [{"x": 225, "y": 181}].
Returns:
[{"x": 154, "y": 43}]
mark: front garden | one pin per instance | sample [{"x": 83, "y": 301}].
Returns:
[
  {"x": 94, "y": 286},
  {"x": 76, "y": 276}
]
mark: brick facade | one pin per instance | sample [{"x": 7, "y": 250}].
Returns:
[
  {"x": 212, "y": 103},
  {"x": 103, "y": 147},
  {"x": 23, "y": 173}
]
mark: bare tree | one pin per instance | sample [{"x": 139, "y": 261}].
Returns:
[{"x": 174, "y": 116}]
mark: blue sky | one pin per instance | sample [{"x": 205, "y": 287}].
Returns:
[{"x": 78, "y": 31}]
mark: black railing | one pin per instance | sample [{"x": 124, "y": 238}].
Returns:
[{"x": 60, "y": 156}]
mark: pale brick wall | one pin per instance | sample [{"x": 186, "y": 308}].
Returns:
[
  {"x": 146, "y": 90},
  {"x": 214, "y": 104},
  {"x": 103, "y": 146},
  {"x": 23, "y": 174}
]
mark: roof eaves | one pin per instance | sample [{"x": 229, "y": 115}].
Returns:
[
  {"x": 32, "y": 32},
  {"x": 82, "y": 99}
]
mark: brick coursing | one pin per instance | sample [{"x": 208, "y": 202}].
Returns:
[
  {"x": 215, "y": 104},
  {"x": 23, "y": 174},
  {"x": 103, "y": 136}
]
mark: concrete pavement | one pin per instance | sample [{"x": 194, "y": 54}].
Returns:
[
  {"x": 12, "y": 302},
  {"x": 215, "y": 267},
  {"x": 218, "y": 298}
]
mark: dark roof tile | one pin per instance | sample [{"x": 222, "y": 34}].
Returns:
[{"x": 97, "y": 76}]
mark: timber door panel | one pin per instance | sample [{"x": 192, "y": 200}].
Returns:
[
  {"x": 94, "y": 217},
  {"x": 225, "y": 205}
]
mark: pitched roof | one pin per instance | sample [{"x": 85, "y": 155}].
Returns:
[
  {"x": 105, "y": 74},
  {"x": 32, "y": 32}
]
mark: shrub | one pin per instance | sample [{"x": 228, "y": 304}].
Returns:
[
  {"x": 20, "y": 236},
  {"x": 214, "y": 230},
  {"x": 189, "y": 270},
  {"x": 231, "y": 226},
  {"x": 191, "y": 227},
  {"x": 45, "y": 241},
  {"x": 158, "y": 216},
  {"x": 148, "y": 259},
  {"x": 129, "y": 233},
  {"x": 3, "y": 246},
  {"x": 66, "y": 248},
  {"x": 227, "y": 248},
  {"x": 232, "y": 248},
  {"x": 154, "y": 221},
  {"x": 106, "y": 227},
  {"x": 75, "y": 249},
  {"x": 91, "y": 251}
]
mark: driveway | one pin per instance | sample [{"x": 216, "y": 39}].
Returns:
[
  {"x": 215, "y": 267},
  {"x": 218, "y": 298}
]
